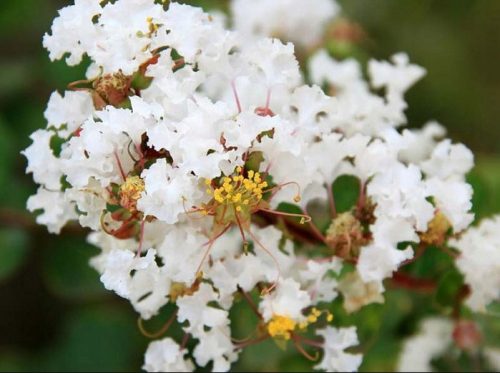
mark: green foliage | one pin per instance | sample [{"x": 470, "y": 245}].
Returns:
[{"x": 14, "y": 249}]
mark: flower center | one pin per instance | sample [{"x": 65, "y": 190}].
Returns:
[
  {"x": 281, "y": 327},
  {"x": 236, "y": 197},
  {"x": 130, "y": 192}
]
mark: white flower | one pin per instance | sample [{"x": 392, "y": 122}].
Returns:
[
  {"x": 399, "y": 192},
  {"x": 73, "y": 31},
  {"x": 344, "y": 76},
  {"x": 91, "y": 203},
  {"x": 449, "y": 161},
  {"x": 57, "y": 211},
  {"x": 453, "y": 199},
  {"x": 136, "y": 278},
  {"x": 67, "y": 113},
  {"x": 166, "y": 356},
  {"x": 434, "y": 337},
  {"x": 216, "y": 345},
  {"x": 287, "y": 300},
  {"x": 318, "y": 280},
  {"x": 168, "y": 168},
  {"x": 335, "y": 359},
  {"x": 42, "y": 163},
  {"x": 181, "y": 265},
  {"x": 396, "y": 77},
  {"x": 382, "y": 257},
  {"x": 280, "y": 67},
  {"x": 300, "y": 22},
  {"x": 479, "y": 261},
  {"x": 168, "y": 191},
  {"x": 196, "y": 310}
]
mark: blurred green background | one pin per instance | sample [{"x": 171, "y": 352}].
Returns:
[{"x": 54, "y": 313}]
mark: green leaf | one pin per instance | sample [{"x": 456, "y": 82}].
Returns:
[
  {"x": 67, "y": 271},
  {"x": 96, "y": 339},
  {"x": 448, "y": 288},
  {"x": 345, "y": 192},
  {"x": 13, "y": 251}
]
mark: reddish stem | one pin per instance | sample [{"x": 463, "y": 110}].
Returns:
[
  {"x": 406, "y": 281},
  {"x": 250, "y": 303}
]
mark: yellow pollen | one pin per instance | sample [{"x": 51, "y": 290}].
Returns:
[
  {"x": 241, "y": 192},
  {"x": 130, "y": 192},
  {"x": 281, "y": 327}
]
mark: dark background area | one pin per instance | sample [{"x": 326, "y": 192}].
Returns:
[{"x": 55, "y": 314}]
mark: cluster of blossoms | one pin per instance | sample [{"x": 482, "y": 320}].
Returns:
[{"x": 186, "y": 144}]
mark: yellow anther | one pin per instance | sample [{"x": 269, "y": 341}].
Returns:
[
  {"x": 329, "y": 317},
  {"x": 237, "y": 190},
  {"x": 297, "y": 198},
  {"x": 312, "y": 319},
  {"x": 130, "y": 192},
  {"x": 281, "y": 327}
]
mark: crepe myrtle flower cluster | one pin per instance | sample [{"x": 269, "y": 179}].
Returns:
[{"x": 183, "y": 141}]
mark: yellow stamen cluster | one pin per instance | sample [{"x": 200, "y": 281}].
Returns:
[
  {"x": 130, "y": 192},
  {"x": 238, "y": 190},
  {"x": 282, "y": 327}
]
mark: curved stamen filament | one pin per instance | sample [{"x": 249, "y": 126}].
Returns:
[
  {"x": 73, "y": 86},
  {"x": 158, "y": 333},
  {"x": 236, "y": 98},
  {"x": 298, "y": 346},
  {"x": 120, "y": 167},
  {"x": 209, "y": 248},
  {"x": 304, "y": 218},
  {"x": 315, "y": 229},
  {"x": 277, "y": 188},
  {"x": 242, "y": 232},
  {"x": 104, "y": 225}
]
